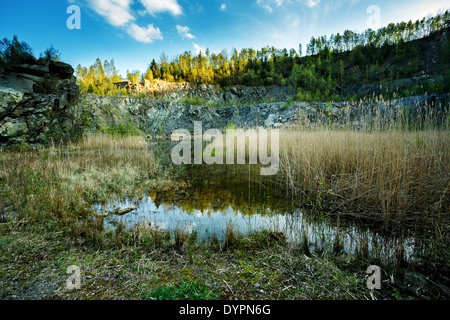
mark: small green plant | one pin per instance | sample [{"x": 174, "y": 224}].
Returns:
[
  {"x": 184, "y": 290},
  {"x": 231, "y": 238},
  {"x": 231, "y": 126},
  {"x": 183, "y": 238},
  {"x": 123, "y": 129},
  {"x": 197, "y": 101},
  {"x": 396, "y": 295}
]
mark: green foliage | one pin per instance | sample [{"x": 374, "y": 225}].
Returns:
[
  {"x": 184, "y": 290},
  {"x": 141, "y": 95},
  {"x": 196, "y": 101},
  {"x": 90, "y": 89},
  {"x": 51, "y": 54},
  {"x": 268, "y": 81},
  {"x": 445, "y": 55},
  {"x": 133, "y": 77},
  {"x": 231, "y": 126},
  {"x": 11, "y": 51},
  {"x": 286, "y": 106},
  {"x": 123, "y": 129},
  {"x": 445, "y": 61},
  {"x": 397, "y": 296},
  {"x": 100, "y": 78},
  {"x": 332, "y": 62}
]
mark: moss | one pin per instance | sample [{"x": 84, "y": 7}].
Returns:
[{"x": 183, "y": 290}]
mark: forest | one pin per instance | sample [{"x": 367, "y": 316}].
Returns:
[{"x": 330, "y": 63}]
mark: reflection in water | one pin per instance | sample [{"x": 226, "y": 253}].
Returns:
[
  {"x": 218, "y": 196},
  {"x": 295, "y": 226}
]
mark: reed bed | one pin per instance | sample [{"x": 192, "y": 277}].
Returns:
[
  {"x": 385, "y": 173},
  {"x": 59, "y": 185}
]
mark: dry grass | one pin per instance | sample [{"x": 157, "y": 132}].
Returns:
[
  {"x": 54, "y": 188},
  {"x": 59, "y": 185},
  {"x": 107, "y": 142},
  {"x": 34, "y": 267},
  {"x": 386, "y": 173}
]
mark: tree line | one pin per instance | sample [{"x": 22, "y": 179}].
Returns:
[
  {"x": 12, "y": 52},
  {"x": 330, "y": 62}
]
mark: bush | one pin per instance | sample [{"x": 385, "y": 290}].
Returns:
[
  {"x": 122, "y": 129},
  {"x": 268, "y": 81},
  {"x": 12, "y": 51},
  {"x": 197, "y": 101}
]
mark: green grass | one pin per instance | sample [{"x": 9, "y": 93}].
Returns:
[
  {"x": 183, "y": 290},
  {"x": 197, "y": 101},
  {"x": 123, "y": 129}
]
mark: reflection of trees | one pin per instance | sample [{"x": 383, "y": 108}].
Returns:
[
  {"x": 163, "y": 148},
  {"x": 217, "y": 188}
]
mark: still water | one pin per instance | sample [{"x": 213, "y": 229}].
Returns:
[{"x": 237, "y": 196}]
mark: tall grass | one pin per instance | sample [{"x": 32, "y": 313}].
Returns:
[
  {"x": 386, "y": 172},
  {"x": 388, "y": 166},
  {"x": 380, "y": 159},
  {"x": 59, "y": 184},
  {"x": 382, "y": 172}
]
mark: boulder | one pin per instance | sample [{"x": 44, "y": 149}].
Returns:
[
  {"x": 34, "y": 70},
  {"x": 119, "y": 211},
  {"x": 38, "y": 102},
  {"x": 271, "y": 120},
  {"x": 61, "y": 69}
]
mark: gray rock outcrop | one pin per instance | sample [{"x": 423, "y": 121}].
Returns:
[
  {"x": 209, "y": 94},
  {"x": 161, "y": 118},
  {"x": 38, "y": 102}
]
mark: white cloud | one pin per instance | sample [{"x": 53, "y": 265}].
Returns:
[
  {"x": 119, "y": 13},
  {"x": 312, "y": 3},
  {"x": 158, "y": 6},
  {"x": 223, "y": 7},
  {"x": 141, "y": 13},
  {"x": 198, "y": 49},
  {"x": 116, "y": 12},
  {"x": 263, "y": 4},
  {"x": 144, "y": 34},
  {"x": 185, "y": 32},
  {"x": 269, "y": 4}
]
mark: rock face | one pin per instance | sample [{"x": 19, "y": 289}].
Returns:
[
  {"x": 211, "y": 94},
  {"x": 162, "y": 118},
  {"x": 38, "y": 102}
]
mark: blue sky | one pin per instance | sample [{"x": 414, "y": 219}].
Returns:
[{"x": 134, "y": 32}]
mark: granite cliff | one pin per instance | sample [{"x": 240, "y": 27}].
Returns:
[{"x": 38, "y": 102}]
